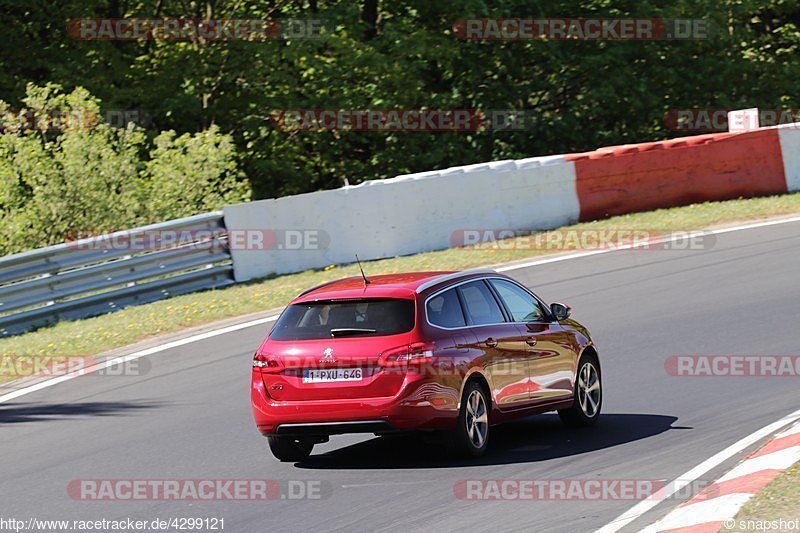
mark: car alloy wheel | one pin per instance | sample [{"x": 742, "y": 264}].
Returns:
[
  {"x": 589, "y": 390},
  {"x": 477, "y": 419},
  {"x": 587, "y": 396}
]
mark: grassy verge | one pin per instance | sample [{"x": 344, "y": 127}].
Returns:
[
  {"x": 779, "y": 500},
  {"x": 95, "y": 335}
]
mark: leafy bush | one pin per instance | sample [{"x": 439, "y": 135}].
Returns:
[{"x": 65, "y": 174}]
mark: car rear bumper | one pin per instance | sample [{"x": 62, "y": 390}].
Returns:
[{"x": 421, "y": 403}]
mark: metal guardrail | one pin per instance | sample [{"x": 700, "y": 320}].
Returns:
[{"x": 100, "y": 274}]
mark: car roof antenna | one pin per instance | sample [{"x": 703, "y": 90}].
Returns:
[{"x": 366, "y": 281}]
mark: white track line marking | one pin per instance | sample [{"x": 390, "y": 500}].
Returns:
[
  {"x": 794, "y": 430},
  {"x": 122, "y": 359},
  {"x": 715, "y": 510},
  {"x": 679, "y": 236},
  {"x": 780, "y": 460},
  {"x": 136, "y": 355},
  {"x": 692, "y": 475}
]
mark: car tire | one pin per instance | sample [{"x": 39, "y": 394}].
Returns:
[
  {"x": 290, "y": 449},
  {"x": 588, "y": 396},
  {"x": 470, "y": 438}
]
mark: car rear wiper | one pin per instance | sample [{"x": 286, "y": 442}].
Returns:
[{"x": 341, "y": 332}]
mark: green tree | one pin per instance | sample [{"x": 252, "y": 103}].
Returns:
[
  {"x": 64, "y": 173},
  {"x": 193, "y": 174},
  {"x": 398, "y": 55}
]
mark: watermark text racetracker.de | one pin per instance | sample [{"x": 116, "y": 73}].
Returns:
[
  {"x": 27, "y": 366},
  {"x": 205, "y": 239},
  {"x": 590, "y": 29},
  {"x": 194, "y": 29},
  {"x": 575, "y": 489},
  {"x": 733, "y": 366},
  {"x": 394, "y": 120},
  {"x": 714, "y": 119},
  {"x": 17, "y": 120},
  {"x": 481, "y": 239},
  {"x": 198, "y": 489}
]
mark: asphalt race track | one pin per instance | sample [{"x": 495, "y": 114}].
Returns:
[{"x": 189, "y": 416}]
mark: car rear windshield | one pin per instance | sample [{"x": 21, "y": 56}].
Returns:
[{"x": 344, "y": 318}]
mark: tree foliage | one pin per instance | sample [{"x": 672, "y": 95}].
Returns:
[
  {"x": 217, "y": 97},
  {"x": 85, "y": 177}
]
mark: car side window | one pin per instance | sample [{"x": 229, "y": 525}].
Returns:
[
  {"x": 480, "y": 304},
  {"x": 522, "y": 306},
  {"x": 445, "y": 310}
]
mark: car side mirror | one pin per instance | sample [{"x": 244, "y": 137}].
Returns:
[{"x": 560, "y": 311}]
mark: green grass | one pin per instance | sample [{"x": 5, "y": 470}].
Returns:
[
  {"x": 780, "y": 499},
  {"x": 96, "y": 335}
]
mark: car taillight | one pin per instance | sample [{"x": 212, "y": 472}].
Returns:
[
  {"x": 409, "y": 353},
  {"x": 266, "y": 364}
]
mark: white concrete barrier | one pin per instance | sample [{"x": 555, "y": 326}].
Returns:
[
  {"x": 789, "y": 136},
  {"x": 402, "y": 215}
]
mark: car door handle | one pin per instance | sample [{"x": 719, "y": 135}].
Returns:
[
  {"x": 491, "y": 343},
  {"x": 531, "y": 341}
]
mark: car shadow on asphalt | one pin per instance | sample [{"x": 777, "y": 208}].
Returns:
[
  {"x": 533, "y": 439},
  {"x": 13, "y": 413}
]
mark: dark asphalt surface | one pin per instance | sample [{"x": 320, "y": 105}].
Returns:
[{"x": 189, "y": 417}]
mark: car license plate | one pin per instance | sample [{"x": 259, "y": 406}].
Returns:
[{"x": 333, "y": 375}]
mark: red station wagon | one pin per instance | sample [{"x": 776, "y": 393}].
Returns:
[{"x": 453, "y": 352}]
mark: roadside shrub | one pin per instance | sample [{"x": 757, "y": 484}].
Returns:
[{"x": 65, "y": 174}]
